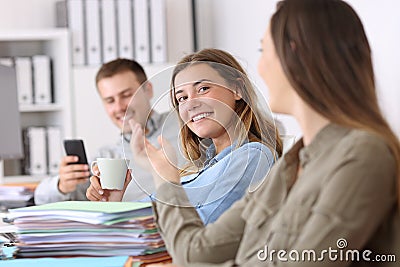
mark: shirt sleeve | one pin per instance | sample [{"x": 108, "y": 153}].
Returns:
[
  {"x": 47, "y": 192},
  {"x": 185, "y": 236}
]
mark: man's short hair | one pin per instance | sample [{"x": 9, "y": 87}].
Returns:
[{"x": 120, "y": 65}]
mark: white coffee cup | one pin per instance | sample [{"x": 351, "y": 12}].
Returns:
[{"x": 112, "y": 172}]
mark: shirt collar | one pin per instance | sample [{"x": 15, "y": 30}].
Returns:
[
  {"x": 212, "y": 158},
  {"x": 299, "y": 154},
  {"x": 322, "y": 141}
]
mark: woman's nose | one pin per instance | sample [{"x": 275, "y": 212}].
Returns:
[{"x": 193, "y": 104}]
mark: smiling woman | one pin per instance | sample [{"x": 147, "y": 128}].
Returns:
[
  {"x": 206, "y": 106},
  {"x": 229, "y": 142},
  {"x": 215, "y": 76}
]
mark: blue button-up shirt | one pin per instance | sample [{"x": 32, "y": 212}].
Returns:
[{"x": 226, "y": 177}]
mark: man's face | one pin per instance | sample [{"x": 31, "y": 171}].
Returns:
[{"x": 121, "y": 90}]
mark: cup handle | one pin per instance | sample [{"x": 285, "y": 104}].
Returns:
[{"x": 91, "y": 167}]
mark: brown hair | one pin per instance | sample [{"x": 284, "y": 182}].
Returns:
[
  {"x": 120, "y": 65},
  {"x": 325, "y": 42},
  {"x": 258, "y": 127}
]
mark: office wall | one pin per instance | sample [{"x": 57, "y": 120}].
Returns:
[
  {"x": 238, "y": 26},
  {"x": 26, "y": 14}
]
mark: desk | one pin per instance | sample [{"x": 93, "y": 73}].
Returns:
[{"x": 31, "y": 186}]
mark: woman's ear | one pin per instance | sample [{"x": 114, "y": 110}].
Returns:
[
  {"x": 238, "y": 88},
  {"x": 238, "y": 96}
]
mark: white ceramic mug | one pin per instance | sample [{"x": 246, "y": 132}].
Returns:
[{"x": 112, "y": 172}]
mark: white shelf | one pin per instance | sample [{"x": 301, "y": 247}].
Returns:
[
  {"x": 40, "y": 108},
  {"x": 32, "y": 34}
]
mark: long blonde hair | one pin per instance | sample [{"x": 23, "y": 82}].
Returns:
[{"x": 257, "y": 127}]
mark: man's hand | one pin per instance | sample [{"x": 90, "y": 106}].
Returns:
[
  {"x": 71, "y": 175},
  {"x": 96, "y": 193}
]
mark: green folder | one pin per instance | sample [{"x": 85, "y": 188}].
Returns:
[
  {"x": 88, "y": 206},
  {"x": 85, "y": 211}
]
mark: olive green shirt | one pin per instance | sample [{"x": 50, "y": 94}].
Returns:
[{"x": 344, "y": 199}]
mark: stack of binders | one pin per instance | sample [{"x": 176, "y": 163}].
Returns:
[
  {"x": 34, "y": 78},
  {"x": 88, "y": 229},
  {"x": 103, "y": 30},
  {"x": 42, "y": 150}
]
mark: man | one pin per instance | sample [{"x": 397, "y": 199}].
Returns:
[{"x": 118, "y": 83}]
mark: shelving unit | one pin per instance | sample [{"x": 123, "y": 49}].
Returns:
[
  {"x": 54, "y": 43},
  {"x": 78, "y": 108},
  {"x": 41, "y": 108}
]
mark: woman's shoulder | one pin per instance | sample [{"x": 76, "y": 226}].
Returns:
[
  {"x": 254, "y": 147},
  {"x": 367, "y": 146},
  {"x": 366, "y": 141}
]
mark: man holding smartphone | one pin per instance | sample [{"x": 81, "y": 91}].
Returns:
[{"x": 119, "y": 86}]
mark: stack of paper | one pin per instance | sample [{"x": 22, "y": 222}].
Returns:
[
  {"x": 83, "y": 228},
  {"x": 15, "y": 196},
  {"x": 117, "y": 261}
]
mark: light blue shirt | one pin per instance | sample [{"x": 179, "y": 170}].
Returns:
[{"x": 226, "y": 177}]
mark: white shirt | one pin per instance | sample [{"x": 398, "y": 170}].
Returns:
[{"x": 165, "y": 124}]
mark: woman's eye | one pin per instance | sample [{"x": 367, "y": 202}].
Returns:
[
  {"x": 203, "y": 89},
  {"x": 181, "y": 99}
]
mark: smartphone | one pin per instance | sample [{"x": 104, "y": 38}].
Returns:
[{"x": 75, "y": 147}]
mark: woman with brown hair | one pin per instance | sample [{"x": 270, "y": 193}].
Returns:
[
  {"x": 229, "y": 142},
  {"x": 333, "y": 198}
]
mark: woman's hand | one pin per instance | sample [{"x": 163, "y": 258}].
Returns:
[
  {"x": 160, "y": 162},
  {"x": 96, "y": 193},
  {"x": 163, "y": 161},
  {"x": 138, "y": 146}
]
